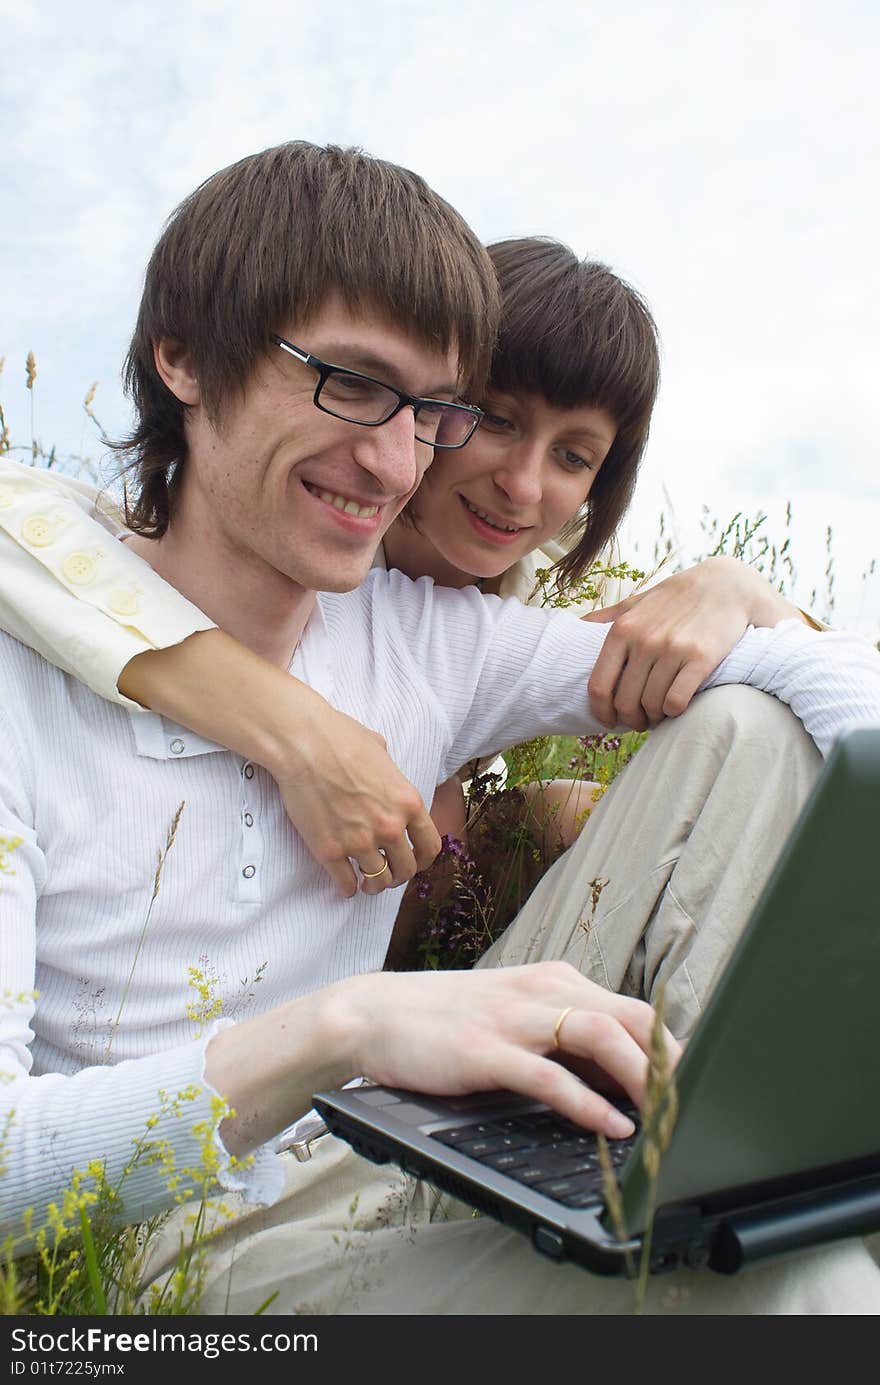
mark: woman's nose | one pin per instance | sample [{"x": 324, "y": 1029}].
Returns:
[{"x": 520, "y": 478}]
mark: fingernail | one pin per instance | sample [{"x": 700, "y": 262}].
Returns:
[{"x": 618, "y": 1126}]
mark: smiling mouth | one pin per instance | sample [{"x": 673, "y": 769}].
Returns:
[
  {"x": 340, "y": 502},
  {"x": 491, "y": 520}
]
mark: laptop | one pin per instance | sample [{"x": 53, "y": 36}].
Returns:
[{"x": 776, "y": 1145}]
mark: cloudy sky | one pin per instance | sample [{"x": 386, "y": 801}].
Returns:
[{"x": 722, "y": 156}]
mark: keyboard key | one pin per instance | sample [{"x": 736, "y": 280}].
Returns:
[
  {"x": 587, "y": 1197},
  {"x": 463, "y": 1133},
  {"x": 510, "y": 1160}
]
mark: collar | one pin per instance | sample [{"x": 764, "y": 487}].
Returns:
[{"x": 158, "y": 738}]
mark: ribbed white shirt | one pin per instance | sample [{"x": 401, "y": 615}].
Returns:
[{"x": 91, "y": 789}]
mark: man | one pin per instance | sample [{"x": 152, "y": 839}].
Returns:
[{"x": 235, "y": 971}]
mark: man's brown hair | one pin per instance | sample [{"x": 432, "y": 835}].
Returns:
[
  {"x": 263, "y": 243},
  {"x": 577, "y": 334}
]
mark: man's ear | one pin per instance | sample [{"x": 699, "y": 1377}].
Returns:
[{"x": 177, "y": 369}]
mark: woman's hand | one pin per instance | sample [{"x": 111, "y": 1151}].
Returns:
[
  {"x": 341, "y": 789},
  {"x": 665, "y": 641},
  {"x": 348, "y": 800}
]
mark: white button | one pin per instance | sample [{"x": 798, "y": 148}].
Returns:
[
  {"x": 7, "y": 497},
  {"x": 123, "y": 602},
  {"x": 249, "y": 872},
  {"x": 177, "y": 746},
  {"x": 38, "y": 531},
  {"x": 248, "y": 771},
  {"x": 248, "y": 819},
  {"x": 79, "y": 569}
]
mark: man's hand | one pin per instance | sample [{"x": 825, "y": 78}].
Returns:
[
  {"x": 349, "y": 801},
  {"x": 451, "y": 1032},
  {"x": 447, "y": 1033},
  {"x": 665, "y": 641}
]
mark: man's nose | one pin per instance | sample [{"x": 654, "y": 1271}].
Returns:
[
  {"x": 521, "y": 476},
  {"x": 390, "y": 453}
]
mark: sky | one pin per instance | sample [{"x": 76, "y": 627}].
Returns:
[{"x": 722, "y": 157}]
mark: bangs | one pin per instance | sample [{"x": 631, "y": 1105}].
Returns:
[{"x": 573, "y": 332}]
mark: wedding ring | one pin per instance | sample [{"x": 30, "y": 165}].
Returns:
[
  {"x": 374, "y": 874},
  {"x": 559, "y": 1023}
]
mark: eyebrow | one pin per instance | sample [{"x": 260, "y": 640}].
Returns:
[
  {"x": 593, "y": 434},
  {"x": 358, "y": 358}
]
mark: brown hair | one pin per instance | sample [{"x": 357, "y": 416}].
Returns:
[
  {"x": 265, "y": 241},
  {"x": 577, "y": 334}
]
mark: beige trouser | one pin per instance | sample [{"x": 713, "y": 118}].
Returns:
[{"x": 685, "y": 838}]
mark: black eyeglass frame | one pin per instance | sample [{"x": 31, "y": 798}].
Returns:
[{"x": 414, "y": 401}]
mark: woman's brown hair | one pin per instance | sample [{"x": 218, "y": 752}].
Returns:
[{"x": 577, "y": 334}]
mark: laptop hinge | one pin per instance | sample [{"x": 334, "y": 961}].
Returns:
[
  {"x": 678, "y": 1236},
  {"x": 827, "y": 1217}
]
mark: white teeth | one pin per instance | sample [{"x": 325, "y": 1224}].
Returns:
[
  {"x": 351, "y": 507},
  {"x": 487, "y": 519}
]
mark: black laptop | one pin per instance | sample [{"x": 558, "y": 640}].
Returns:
[{"x": 777, "y": 1141}]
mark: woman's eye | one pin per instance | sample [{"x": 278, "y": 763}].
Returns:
[
  {"x": 496, "y": 421},
  {"x": 576, "y": 461}
]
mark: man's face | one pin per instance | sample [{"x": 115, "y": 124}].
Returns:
[{"x": 280, "y": 485}]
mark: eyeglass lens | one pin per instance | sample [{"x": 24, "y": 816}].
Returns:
[{"x": 361, "y": 400}]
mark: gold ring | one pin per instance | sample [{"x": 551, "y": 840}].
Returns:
[
  {"x": 374, "y": 874},
  {"x": 559, "y": 1023}
]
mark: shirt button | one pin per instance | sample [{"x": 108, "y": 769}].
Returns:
[
  {"x": 7, "y": 496},
  {"x": 79, "y": 569},
  {"x": 248, "y": 771},
  {"x": 177, "y": 746},
  {"x": 248, "y": 819},
  {"x": 249, "y": 872},
  {"x": 123, "y": 602},
  {"x": 38, "y": 531}
]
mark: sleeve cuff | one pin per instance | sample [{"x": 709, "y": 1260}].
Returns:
[{"x": 82, "y": 600}]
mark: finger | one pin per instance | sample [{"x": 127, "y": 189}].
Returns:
[
  {"x": 375, "y": 872},
  {"x": 605, "y": 677},
  {"x": 657, "y": 685},
  {"x": 628, "y": 708},
  {"x": 682, "y": 688},
  {"x": 611, "y": 613},
  {"x": 541, "y": 1079},
  {"x": 343, "y": 876},
  {"x": 639, "y": 1018},
  {"x": 425, "y": 840},
  {"x": 602, "y": 615},
  {"x": 401, "y": 863},
  {"x": 602, "y": 1039}
]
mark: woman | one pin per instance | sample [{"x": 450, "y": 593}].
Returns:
[{"x": 544, "y": 482}]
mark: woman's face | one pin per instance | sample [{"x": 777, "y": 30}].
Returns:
[{"x": 526, "y": 471}]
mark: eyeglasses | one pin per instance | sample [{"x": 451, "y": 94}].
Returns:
[{"x": 360, "y": 399}]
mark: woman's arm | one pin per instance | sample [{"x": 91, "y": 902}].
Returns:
[
  {"x": 89, "y": 605},
  {"x": 340, "y": 788},
  {"x": 666, "y": 640}
]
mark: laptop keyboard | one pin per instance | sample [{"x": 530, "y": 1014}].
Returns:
[{"x": 543, "y": 1151}]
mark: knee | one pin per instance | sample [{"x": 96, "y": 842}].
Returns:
[
  {"x": 448, "y": 811},
  {"x": 745, "y": 710},
  {"x": 736, "y": 714}
]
